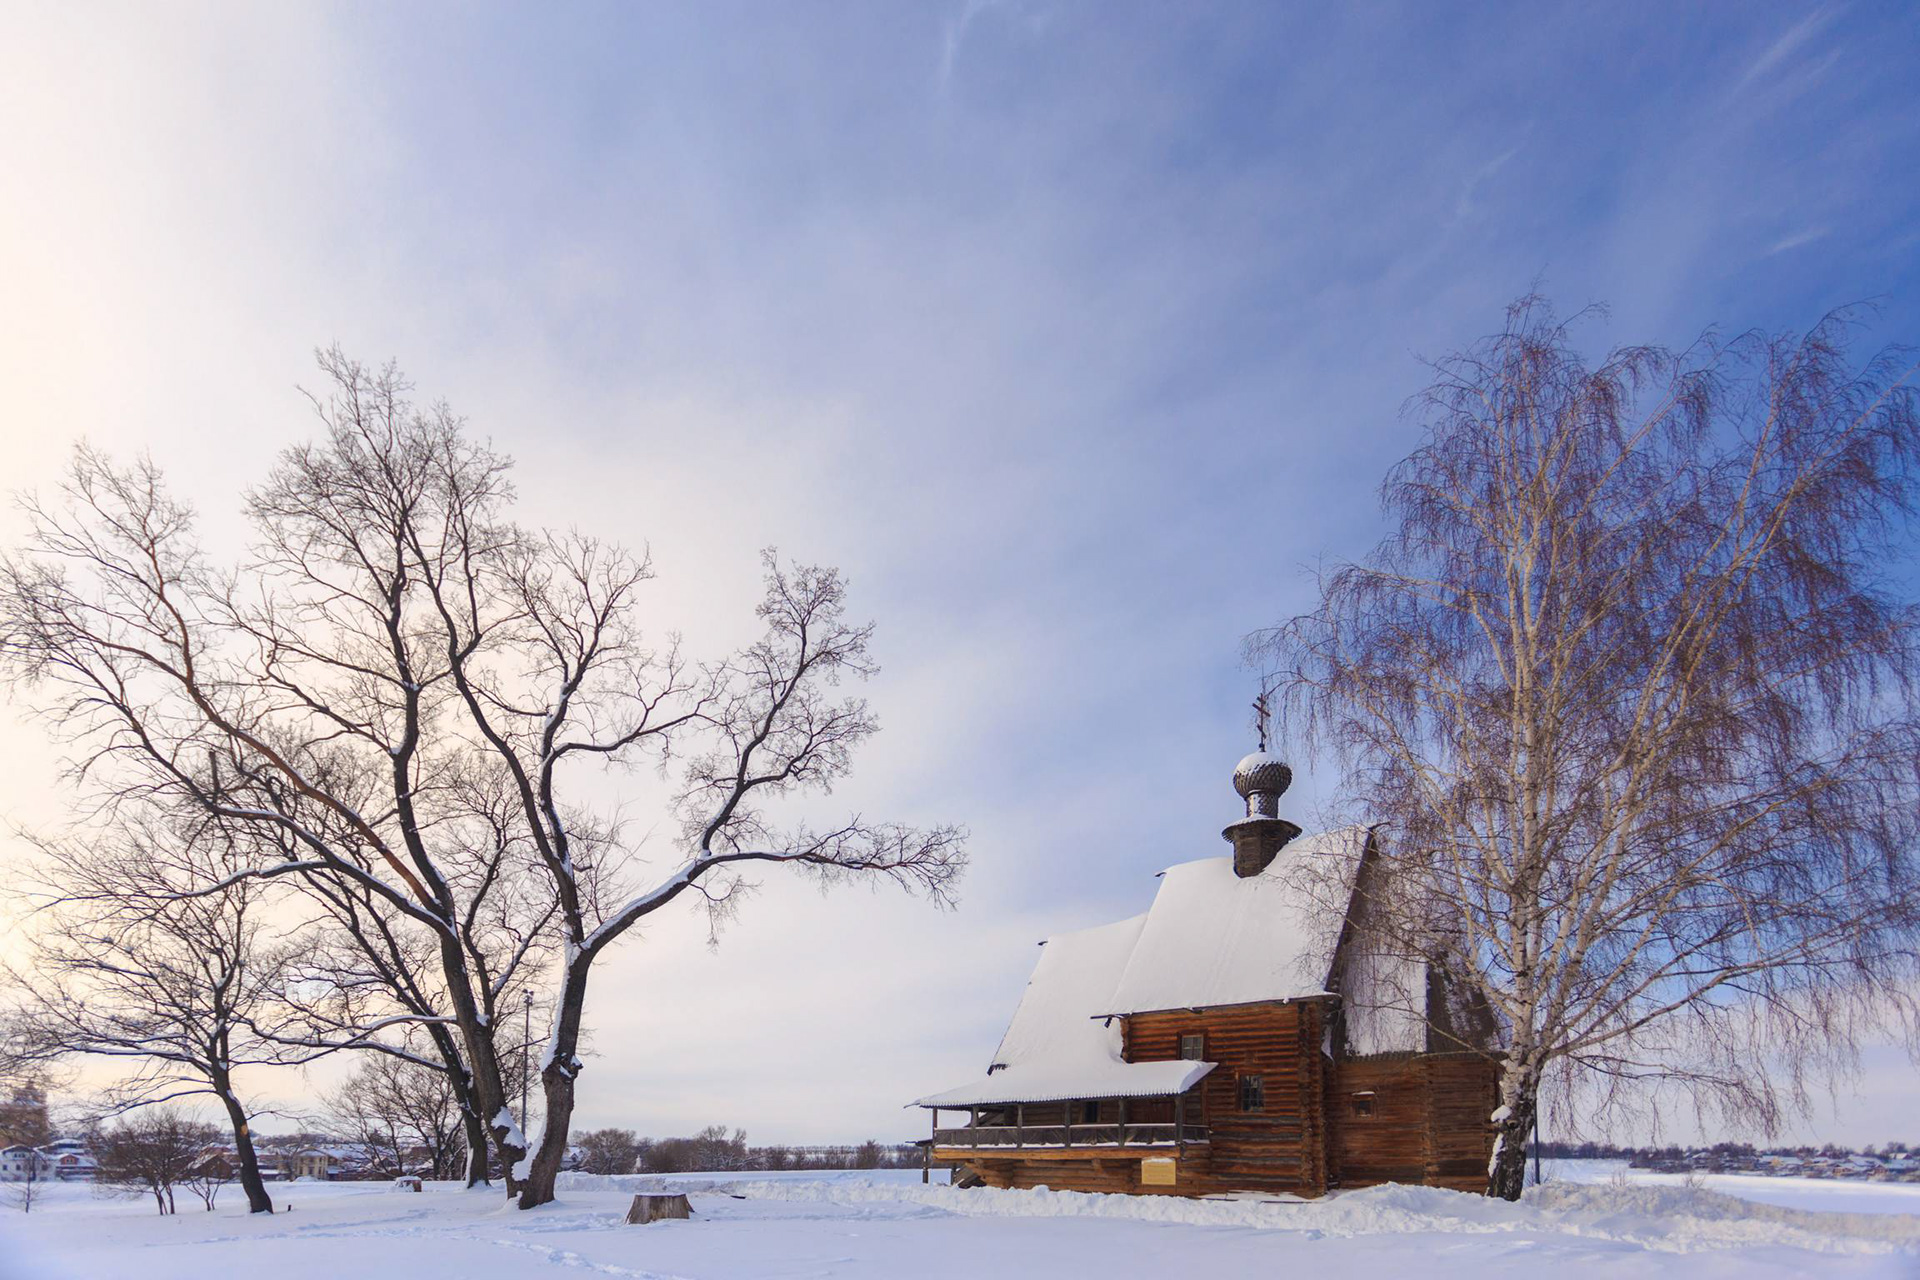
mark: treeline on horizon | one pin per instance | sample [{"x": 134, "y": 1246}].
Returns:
[
  {"x": 718, "y": 1149},
  {"x": 1608, "y": 1151}
]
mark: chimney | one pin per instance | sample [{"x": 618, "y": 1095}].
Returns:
[{"x": 1258, "y": 838}]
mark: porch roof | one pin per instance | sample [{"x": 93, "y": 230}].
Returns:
[{"x": 1051, "y": 1082}]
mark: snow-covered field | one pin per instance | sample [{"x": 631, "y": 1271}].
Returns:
[{"x": 1587, "y": 1222}]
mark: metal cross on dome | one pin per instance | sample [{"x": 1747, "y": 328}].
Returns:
[{"x": 1261, "y": 714}]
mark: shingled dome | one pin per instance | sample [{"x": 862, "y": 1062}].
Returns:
[{"x": 1261, "y": 772}]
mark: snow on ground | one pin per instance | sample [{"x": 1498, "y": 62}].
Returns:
[
  {"x": 1826, "y": 1195},
  {"x": 873, "y": 1225}
]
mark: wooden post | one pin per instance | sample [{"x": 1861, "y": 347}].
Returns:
[
  {"x": 1123, "y": 1122},
  {"x": 1180, "y": 1125},
  {"x": 1019, "y": 1124},
  {"x": 1067, "y": 1128},
  {"x": 933, "y": 1140}
]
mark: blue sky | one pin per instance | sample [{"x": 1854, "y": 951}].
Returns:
[{"x": 1075, "y": 333}]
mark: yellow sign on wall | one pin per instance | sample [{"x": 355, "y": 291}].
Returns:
[{"x": 1157, "y": 1172}]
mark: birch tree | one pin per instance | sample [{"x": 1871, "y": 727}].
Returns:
[
  {"x": 1631, "y": 682},
  {"x": 391, "y": 632}
]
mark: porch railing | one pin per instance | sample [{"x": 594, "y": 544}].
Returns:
[{"x": 1069, "y": 1135}]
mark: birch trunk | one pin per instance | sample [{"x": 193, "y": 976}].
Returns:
[{"x": 1513, "y": 1124}]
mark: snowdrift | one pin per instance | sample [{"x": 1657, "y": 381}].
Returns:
[{"x": 1674, "y": 1219}]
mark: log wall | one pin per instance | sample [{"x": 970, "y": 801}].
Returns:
[
  {"x": 1426, "y": 1120},
  {"x": 1463, "y": 1090},
  {"x": 1281, "y": 1147}
]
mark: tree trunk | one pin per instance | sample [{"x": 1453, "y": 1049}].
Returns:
[
  {"x": 477, "y": 1162},
  {"x": 258, "y": 1201},
  {"x": 489, "y": 1092},
  {"x": 1513, "y": 1122},
  {"x": 556, "y": 1089},
  {"x": 556, "y": 1086},
  {"x": 472, "y": 1118}
]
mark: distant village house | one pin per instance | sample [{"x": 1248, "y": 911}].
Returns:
[
  {"x": 316, "y": 1164},
  {"x": 62, "y": 1160}
]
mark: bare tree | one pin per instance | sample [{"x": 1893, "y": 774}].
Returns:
[
  {"x": 1631, "y": 684},
  {"x": 373, "y": 971},
  {"x": 392, "y": 634},
  {"x": 768, "y": 725},
  {"x": 666, "y": 1155},
  {"x": 150, "y": 953},
  {"x": 370, "y": 982},
  {"x": 151, "y": 1153},
  {"x": 716, "y": 1150},
  {"x": 609, "y": 1151},
  {"x": 396, "y": 1107},
  {"x": 206, "y": 1175},
  {"x": 25, "y": 1192}
]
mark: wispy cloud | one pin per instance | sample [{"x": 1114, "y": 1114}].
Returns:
[
  {"x": 1464, "y": 207},
  {"x": 1810, "y": 236},
  {"x": 954, "y": 35},
  {"x": 1789, "y": 42}
]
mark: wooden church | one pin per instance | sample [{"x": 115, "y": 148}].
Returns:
[{"x": 1241, "y": 1035}]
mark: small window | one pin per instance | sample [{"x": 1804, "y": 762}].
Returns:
[
  {"x": 1253, "y": 1093},
  {"x": 1089, "y": 1113},
  {"x": 1363, "y": 1104},
  {"x": 1193, "y": 1048}
]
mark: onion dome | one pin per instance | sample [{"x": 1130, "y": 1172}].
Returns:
[
  {"x": 1260, "y": 772},
  {"x": 1258, "y": 838}
]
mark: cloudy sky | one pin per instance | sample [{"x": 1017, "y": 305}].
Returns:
[{"x": 1075, "y": 333}]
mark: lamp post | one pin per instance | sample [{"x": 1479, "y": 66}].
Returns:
[{"x": 526, "y": 1052}]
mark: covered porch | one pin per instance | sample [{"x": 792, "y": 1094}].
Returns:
[
  {"x": 1104, "y": 1105},
  {"x": 1143, "y": 1125}
]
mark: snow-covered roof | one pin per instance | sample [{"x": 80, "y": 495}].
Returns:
[
  {"x": 1215, "y": 938},
  {"x": 1210, "y": 938},
  {"x": 1057, "y": 1046},
  {"x": 1060, "y": 1082},
  {"x": 1069, "y": 987}
]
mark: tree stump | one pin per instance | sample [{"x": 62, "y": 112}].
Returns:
[
  {"x": 408, "y": 1183},
  {"x": 652, "y": 1208}
]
